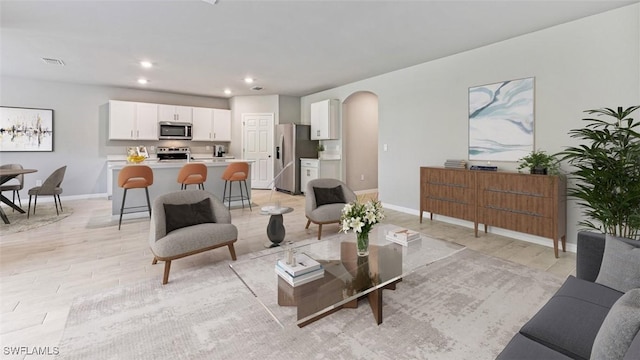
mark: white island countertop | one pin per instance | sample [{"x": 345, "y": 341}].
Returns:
[{"x": 158, "y": 164}]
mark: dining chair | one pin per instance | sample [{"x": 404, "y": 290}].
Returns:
[
  {"x": 236, "y": 171},
  {"x": 51, "y": 186},
  {"x": 192, "y": 174},
  {"x": 134, "y": 177},
  {"x": 12, "y": 185}
]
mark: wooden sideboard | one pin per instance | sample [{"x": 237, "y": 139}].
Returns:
[{"x": 531, "y": 204}]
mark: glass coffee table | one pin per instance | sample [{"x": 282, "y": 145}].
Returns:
[{"x": 347, "y": 277}]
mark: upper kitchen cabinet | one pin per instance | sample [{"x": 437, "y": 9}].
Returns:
[
  {"x": 175, "y": 113},
  {"x": 324, "y": 120},
  {"x": 132, "y": 121},
  {"x": 211, "y": 124}
]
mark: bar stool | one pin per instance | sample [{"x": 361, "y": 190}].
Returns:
[
  {"x": 192, "y": 174},
  {"x": 236, "y": 171},
  {"x": 134, "y": 177}
]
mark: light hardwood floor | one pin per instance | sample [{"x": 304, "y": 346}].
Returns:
[{"x": 42, "y": 270}]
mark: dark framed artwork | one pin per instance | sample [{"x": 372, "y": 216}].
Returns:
[
  {"x": 26, "y": 129},
  {"x": 501, "y": 120}
]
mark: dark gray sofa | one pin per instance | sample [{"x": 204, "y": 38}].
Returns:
[{"x": 567, "y": 325}]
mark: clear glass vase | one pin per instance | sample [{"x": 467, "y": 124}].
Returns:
[{"x": 362, "y": 243}]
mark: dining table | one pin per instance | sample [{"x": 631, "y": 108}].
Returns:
[{"x": 6, "y": 175}]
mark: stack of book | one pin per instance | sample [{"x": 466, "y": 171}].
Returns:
[
  {"x": 402, "y": 236},
  {"x": 455, "y": 164},
  {"x": 303, "y": 271}
]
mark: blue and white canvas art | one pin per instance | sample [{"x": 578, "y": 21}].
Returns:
[{"x": 501, "y": 119}]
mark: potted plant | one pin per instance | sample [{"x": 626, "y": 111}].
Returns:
[
  {"x": 607, "y": 171},
  {"x": 539, "y": 162},
  {"x": 320, "y": 149}
]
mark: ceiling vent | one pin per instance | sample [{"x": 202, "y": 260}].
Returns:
[
  {"x": 256, "y": 88},
  {"x": 51, "y": 61}
]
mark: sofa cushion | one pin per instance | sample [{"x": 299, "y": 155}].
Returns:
[
  {"x": 193, "y": 239},
  {"x": 619, "y": 328},
  {"x": 523, "y": 348},
  {"x": 182, "y": 215},
  {"x": 620, "y": 268},
  {"x": 562, "y": 323},
  {"x": 328, "y": 195}
]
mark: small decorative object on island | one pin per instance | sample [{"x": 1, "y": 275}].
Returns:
[
  {"x": 607, "y": 171},
  {"x": 539, "y": 162},
  {"x": 136, "y": 154},
  {"x": 361, "y": 217}
]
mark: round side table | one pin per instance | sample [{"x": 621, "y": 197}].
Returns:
[{"x": 275, "y": 228}]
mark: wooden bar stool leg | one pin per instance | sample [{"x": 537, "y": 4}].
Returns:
[
  {"x": 241, "y": 195},
  {"x": 124, "y": 197},
  {"x": 247, "y": 190},
  {"x": 148, "y": 202}
]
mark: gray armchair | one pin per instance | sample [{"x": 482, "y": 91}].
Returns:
[
  {"x": 328, "y": 213},
  {"x": 203, "y": 225}
]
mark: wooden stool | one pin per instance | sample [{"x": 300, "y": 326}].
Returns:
[
  {"x": 134, "y": 177},
  {"x": 192, "y": 174},
  {"x": 236, "y": 171}
]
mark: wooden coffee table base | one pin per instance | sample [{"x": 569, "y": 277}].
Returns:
[{"x": 374, "y": 297}]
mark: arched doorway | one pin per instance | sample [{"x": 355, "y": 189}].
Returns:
[{"x": 360, "y": 136}]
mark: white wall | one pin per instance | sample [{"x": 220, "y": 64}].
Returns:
[
  {"x": 423, "y": 110},
  {"x": 80, "y": 128}
]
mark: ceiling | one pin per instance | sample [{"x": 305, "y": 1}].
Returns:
[{"x": 290, "y": 47}]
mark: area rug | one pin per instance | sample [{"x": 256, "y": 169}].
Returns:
[
  {"x": 466, "y": 306},
  {"x": 45, "y": 215}
]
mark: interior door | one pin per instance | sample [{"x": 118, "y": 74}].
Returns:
[{"x": 257, "y": 140}]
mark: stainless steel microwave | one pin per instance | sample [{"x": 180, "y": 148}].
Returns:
[{"x": 171, "y": 130}]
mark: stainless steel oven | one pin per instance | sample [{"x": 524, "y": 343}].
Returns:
[{"x": 171, "y": 130}]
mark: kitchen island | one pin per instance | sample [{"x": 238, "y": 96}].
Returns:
[{"x": 165, "y": 175}]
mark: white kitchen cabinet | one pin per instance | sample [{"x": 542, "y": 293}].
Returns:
[
  {"x": 221, "y": 125},
  {"x": 318, "y": 169},
  {"x": 308, "y": 172},
  {"x": 175, "y": 113},
  {"x": 202, "y": 124},
  {"x": 132, "y": 121},
  {"x": 324, "y": 120},
  {"x": 211, "y": 124}
]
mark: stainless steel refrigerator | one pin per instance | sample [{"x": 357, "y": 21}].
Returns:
[{"x": 293, "y": 141}]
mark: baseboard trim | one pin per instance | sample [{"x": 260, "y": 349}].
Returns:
[
  {"x": 49, "y": 198},
  {"x": 571, "y": 247}
]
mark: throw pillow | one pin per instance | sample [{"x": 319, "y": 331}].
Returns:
[
  {"x": 619, "y": 328},
  {"x": 620, "y": 269},
  {"x": 326, "y": 196},
  {"x": 178, "y": 216}
]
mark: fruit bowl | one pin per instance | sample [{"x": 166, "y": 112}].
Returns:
[{"x": 135, "y": 159}]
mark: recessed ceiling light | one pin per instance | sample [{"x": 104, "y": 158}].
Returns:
[
  {"x": 146, "y": 64},
  {"x": 248, "y": 80},
  {"x": 143, "y": 81},
  {"x": 227, "y": 91}
]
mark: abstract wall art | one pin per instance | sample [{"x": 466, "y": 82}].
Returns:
[
  {"x": 26, "y": 129},
  {"x": 501, "y": 120}
]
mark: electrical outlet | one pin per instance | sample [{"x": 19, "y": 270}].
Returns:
[
  {"x": 38, "y": 182},
  {"x": 385, "y": 147},
  {"x": 361, "y": 177},
  {"x": 208, "y": 148},
  {"x": 152, "y": 148}
]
